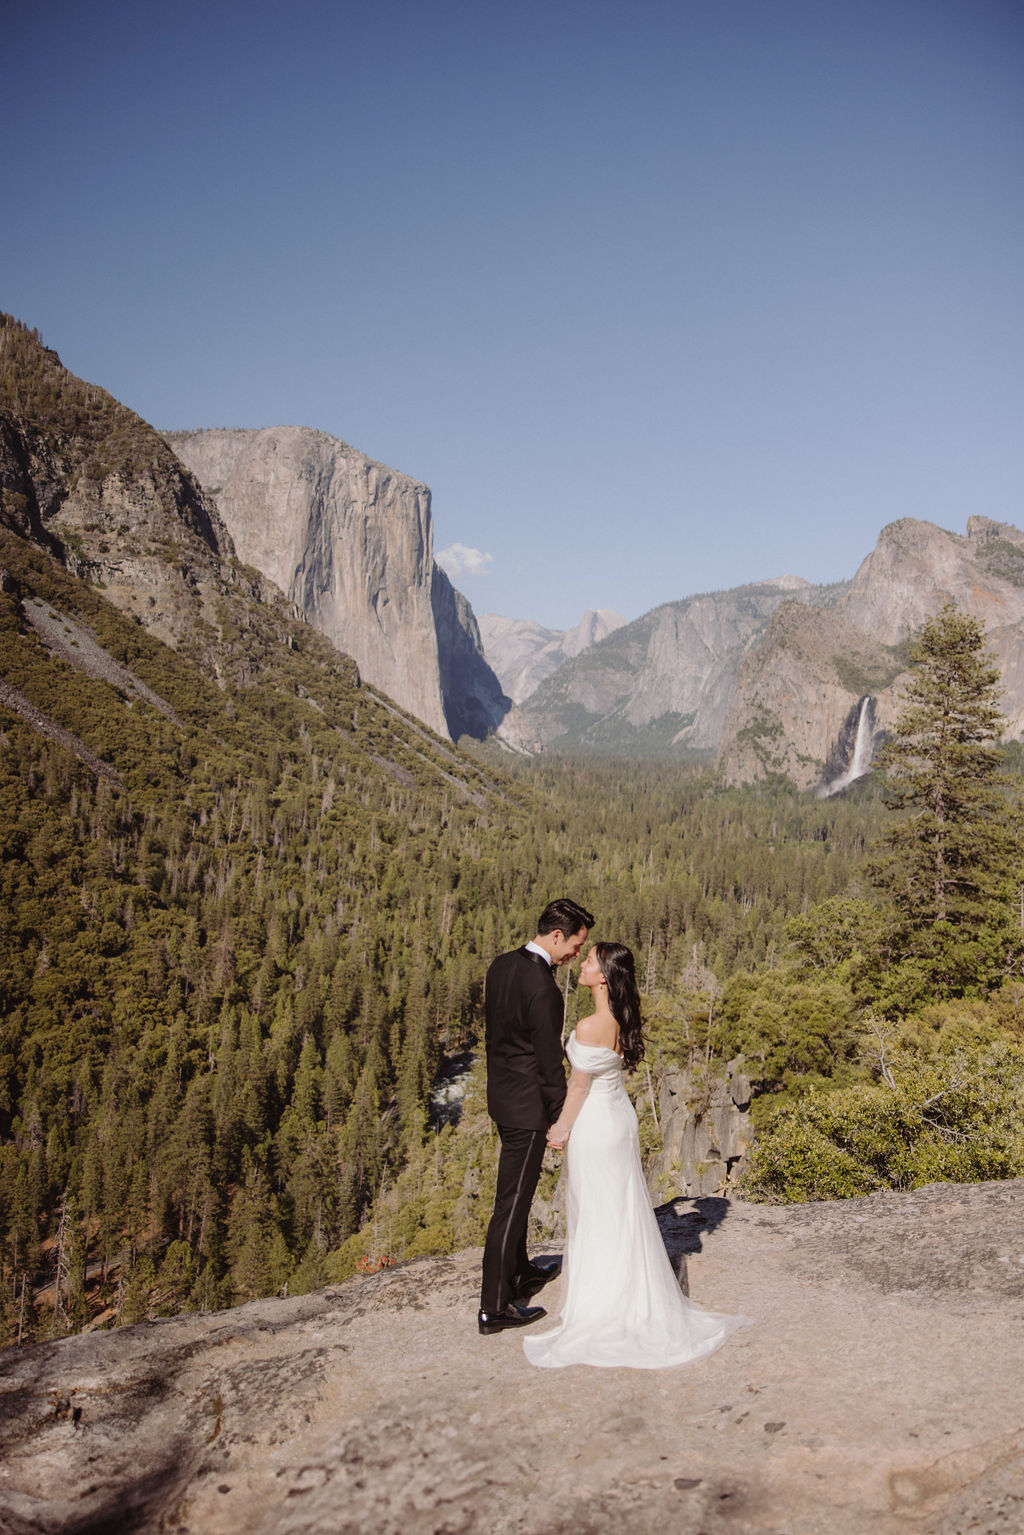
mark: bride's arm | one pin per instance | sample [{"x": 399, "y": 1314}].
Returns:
[{"x": 576, "y": 1096}]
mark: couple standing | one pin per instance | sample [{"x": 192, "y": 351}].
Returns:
[{"x": 621, "y": 1303}]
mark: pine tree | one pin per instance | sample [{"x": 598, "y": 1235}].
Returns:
[
  {"x": 948, "y": 860},
  {"x": 64, "y": 1244}
]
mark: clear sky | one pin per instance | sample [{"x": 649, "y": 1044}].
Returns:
[{"x": 657, "y": 297}]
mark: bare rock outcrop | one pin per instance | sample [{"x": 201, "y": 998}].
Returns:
[
  {"x": 522, "y": 652},
  {"x": 795, "y": 691},
  {"x": 474, "y": 702},
  {"x": 347, "y": 539},
  {"x": 666, "y": 679},
  {"x": 149, "y": 537},
  {"x": 800, "y": 686},
  {"x": 916, "y": 568},
  {"x": 878, "y": 1390},
  {"x": 76, "y": 645},
  {"x": 89, "y": 481},
  {"x": 773, "y": 676},
  {"x": 706, "y": 1131},
  {"x": 351, "y": 543}
]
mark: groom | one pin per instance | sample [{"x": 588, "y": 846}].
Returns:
[{"x": 525, "y": 1090}]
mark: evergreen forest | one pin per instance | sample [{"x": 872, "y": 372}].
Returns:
[{"x": 248, "y": 904}]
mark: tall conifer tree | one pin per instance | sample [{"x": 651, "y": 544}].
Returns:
[{"x": 948, "y": 859}]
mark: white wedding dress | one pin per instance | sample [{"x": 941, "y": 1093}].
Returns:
[{"x": 620, "y": 1302}]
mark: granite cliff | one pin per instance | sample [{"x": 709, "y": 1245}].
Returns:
[
  {"x": 917, "y": 567},
  {"x": 351, "y": 543},
  {"x": 88, "y": 480},
  {"x": 665, "y": 681},
  {"x": 785, "y": 677},
  {"x": 778, "y": 676},
  {"x": 798, "y": 698},
  {"x": 347, "y": 540},
  {"x": 523, "y": 652},
  {"x": 817, "y": 677}
]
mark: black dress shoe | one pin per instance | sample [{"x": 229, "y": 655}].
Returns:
[
  {"x": 514, "y": 1315},
  {"x": 537, "y": 1275}
]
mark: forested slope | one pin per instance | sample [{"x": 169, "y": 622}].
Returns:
[
  {"x": 246, "y": 907},
  {"x": 229, "y": 967},
  {"x": 264, "y": 915}
]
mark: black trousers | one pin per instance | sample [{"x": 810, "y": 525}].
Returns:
[{"x": 505, "y": 1259}]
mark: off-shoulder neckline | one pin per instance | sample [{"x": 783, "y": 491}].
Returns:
[{"x": 585, "y": 1046}]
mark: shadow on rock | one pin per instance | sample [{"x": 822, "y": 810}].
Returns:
[
  {"x": 125, "y": 1508},
  {"x": 683, "y": 1224}
]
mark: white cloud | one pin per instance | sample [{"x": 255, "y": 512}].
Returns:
[{"x": 459, "y": 561}]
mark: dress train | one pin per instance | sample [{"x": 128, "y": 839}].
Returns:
[{"x": 621, "y": 1304}]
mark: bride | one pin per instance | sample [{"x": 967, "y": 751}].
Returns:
[{"x": 621, "y": 1303}]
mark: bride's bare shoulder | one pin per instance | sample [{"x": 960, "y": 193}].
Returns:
[{"x": 599, "y": 1029}]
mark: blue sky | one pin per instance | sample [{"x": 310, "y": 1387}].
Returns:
[{"x": 657, "y": 297}]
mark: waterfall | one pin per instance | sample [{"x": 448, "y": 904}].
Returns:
[{"x": 859, "y": 760}]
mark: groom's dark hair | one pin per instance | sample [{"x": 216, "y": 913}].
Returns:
[{"x": 565, "y": 917}]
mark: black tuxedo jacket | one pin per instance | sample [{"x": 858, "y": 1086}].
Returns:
[{"x": 523, "y": 1010}]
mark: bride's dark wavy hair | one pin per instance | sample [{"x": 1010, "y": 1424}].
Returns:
[{"x": 616, "y": 962}]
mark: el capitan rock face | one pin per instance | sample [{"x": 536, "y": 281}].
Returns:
[
  {"x": 474, "y": 702},
  {"x": 772, "y": 677},
  {"x": 350, "y": 541}
]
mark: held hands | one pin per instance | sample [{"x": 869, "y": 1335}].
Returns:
[{"x": 579, "y": 1087}]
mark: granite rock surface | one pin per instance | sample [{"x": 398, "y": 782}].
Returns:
[
  {"x": 523, "y": 652},
  {"x": 877, "y": 1390},
  {"x": 769, "y": 676},
  {"x": 669, "y": 675},
  {"x": 350, "y": 541}
]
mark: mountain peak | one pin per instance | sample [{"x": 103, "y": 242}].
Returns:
[{"x": 523, "y": 652}]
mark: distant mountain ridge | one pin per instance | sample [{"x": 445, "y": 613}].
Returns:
[
  {"x": 778, "y": 676},
  {"x": 666, "y": 681},
  {"x": 522, "y": 652},
  {"x": 800, "y": 689},
  {"x": 771, "y": 677}
]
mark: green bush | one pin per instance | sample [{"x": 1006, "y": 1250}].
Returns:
[{"x": 956, "y": 1117}]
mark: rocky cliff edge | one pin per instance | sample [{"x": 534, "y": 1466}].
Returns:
[{"x": 878, "y": 1390}]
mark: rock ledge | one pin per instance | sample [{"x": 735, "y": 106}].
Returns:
[{"x": 879, "y": 1390}]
